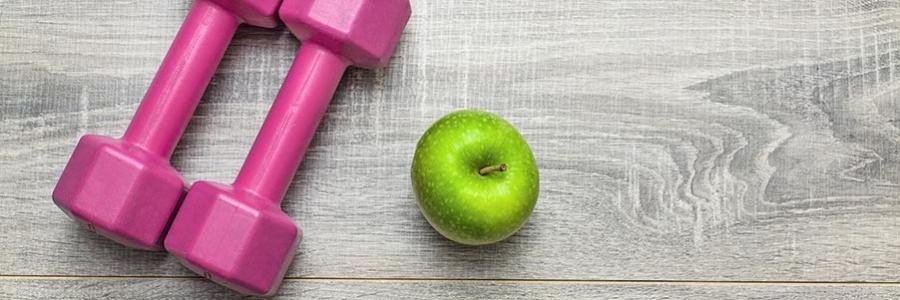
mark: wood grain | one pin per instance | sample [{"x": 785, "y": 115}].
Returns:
[
  {"x": 119, "y": 288},
  {"x": 677, "y": 140}
]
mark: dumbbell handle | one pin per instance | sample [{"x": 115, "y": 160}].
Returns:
[
  {"x": 291, "y": 123},
  {"x": 182, "y": 78}
]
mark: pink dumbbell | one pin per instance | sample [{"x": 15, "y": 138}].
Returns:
[
  {"x": 237, "y": 235},
  {"x": 125, "y": 189}
]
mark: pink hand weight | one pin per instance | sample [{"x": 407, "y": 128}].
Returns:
[
  {"x": 126, "y": 189},
  {"x": 237, "y": 235}
]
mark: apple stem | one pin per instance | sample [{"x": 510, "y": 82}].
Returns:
[{"x": 490, "y": 169}]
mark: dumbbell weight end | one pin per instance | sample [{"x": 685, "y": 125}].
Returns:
[{"x": 126, "y": 189}]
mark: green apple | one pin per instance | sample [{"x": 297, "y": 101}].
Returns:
[{"x": 475, "y": 177}]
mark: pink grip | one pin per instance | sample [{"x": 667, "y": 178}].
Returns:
[
  {"x": 291, "y": 123},
  {"x": 182, "y": 78}
]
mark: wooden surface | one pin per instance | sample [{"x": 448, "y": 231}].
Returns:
[
  {"x": 687, "y": 148},
  {"x": 193, "y": 288}
]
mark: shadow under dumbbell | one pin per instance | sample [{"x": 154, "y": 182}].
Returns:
[{"x": 142, "y": 262}]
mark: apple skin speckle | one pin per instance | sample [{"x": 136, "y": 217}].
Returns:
[{"x": 459, "y": 202}]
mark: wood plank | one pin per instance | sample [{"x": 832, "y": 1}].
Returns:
[
  {"x": 158, "y": 288},
  {"x": 677, "y": 140}
]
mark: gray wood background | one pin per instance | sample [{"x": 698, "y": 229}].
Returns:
[{"x": 688, "y": 149}]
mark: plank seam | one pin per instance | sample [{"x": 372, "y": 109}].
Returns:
[{"x": 484, "y": 280}]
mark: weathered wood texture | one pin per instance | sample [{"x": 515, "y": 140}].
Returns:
[
  {"x": 160, "y": 288},
  {"x": 677, "y": 139}
]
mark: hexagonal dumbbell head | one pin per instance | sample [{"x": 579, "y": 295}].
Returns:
[
  {"x": 366, "y": 32},
  {"x": 233, "y": 238},
  {"x": 120, "y": 191},
  {"x": 254, "y": 12}
]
